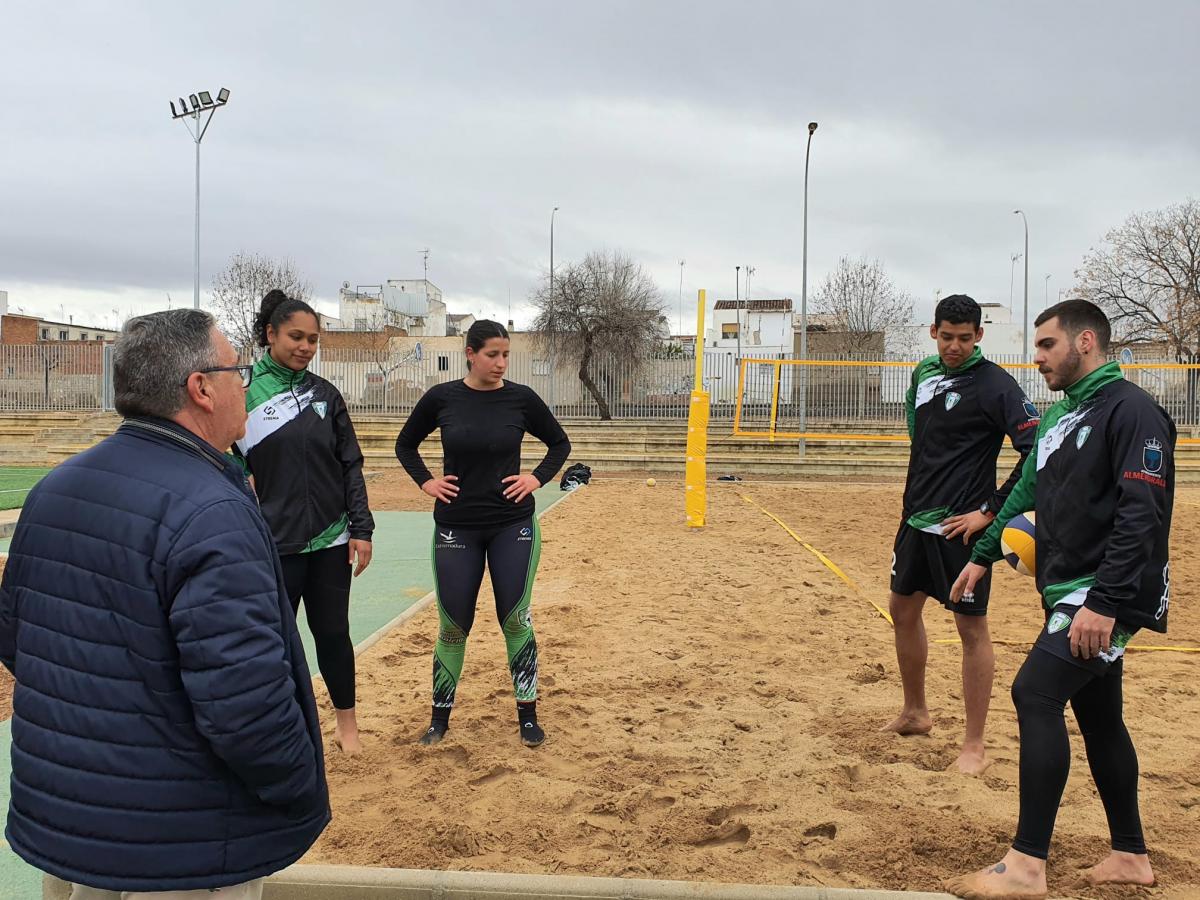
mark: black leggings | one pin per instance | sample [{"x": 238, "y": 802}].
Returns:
[
  {"x": 1041, "y": 691},
  {"x": 322, "y": 580},
  {"x": 511, "y": 554}
]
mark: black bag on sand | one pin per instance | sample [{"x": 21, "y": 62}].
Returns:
[{"x": 576, "y": 476}]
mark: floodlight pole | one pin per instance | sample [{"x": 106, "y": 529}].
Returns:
[
  {"x": 737, "y": 308},
  {"x": 553, "y": 355},
  {"x": 197, "y": 131},
  {"x": 1025, "y": 318},
  {"x": 812, "y": 126}
]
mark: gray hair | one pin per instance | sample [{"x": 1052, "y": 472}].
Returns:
[{"x": 154, "y": 356}]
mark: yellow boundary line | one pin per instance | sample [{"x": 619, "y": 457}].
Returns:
[
  {"x": 836, "y": 570},
  {"x": 829, "y": 563},
  {"x": 822, "y": 435}
]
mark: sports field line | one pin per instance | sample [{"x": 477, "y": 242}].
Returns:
[
  {"x": 420, "y": 605},
  {"x": 829, "y": 563},
  {"x": 833, "y": 567}
]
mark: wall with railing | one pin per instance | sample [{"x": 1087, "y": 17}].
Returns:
[
  {"x": 825, "y": 390},
  {"x": 52, "y": 376}
]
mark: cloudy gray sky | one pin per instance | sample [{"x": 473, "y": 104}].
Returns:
[{"x": 359, "y": 133}]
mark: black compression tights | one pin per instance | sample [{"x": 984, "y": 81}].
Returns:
[
  {"x": 322, "y": 581},
  {"x": 1041, "y": 691}
]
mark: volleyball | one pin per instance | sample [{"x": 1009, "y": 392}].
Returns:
[{"x": 1017, "y": 542}]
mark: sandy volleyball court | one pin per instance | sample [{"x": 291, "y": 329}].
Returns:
[{"x": 712, "y": 700}]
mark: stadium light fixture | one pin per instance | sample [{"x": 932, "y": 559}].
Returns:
[{"x": 197, "y": 120}]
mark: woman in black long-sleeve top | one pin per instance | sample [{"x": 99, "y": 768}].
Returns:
[{"x": 484, "y": 511}]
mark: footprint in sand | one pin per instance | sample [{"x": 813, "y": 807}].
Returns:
[
  {"x": 499, "y": 773},
  {"x": 869, "y": 673},
  {"x": 724, "y": 835},
  {"x": 724, "y": 813},
  {"x": 445, "y": 753},
  {"x": 824, "y": 830}
]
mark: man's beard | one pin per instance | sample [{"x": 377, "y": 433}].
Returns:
[{"x": 1069, "y": 374}]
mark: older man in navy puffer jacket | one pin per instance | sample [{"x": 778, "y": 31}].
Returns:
[{"x": 165, "y": 738}]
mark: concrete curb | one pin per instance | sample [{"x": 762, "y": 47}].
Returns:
[
  {"x": 8, "y": 522},
  {"x": 302, "y": 882}
]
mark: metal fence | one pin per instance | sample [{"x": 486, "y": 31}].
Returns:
[
  {"x": 787, "y": 396},
  {"x": 656, "y": 388},
  {"x": 827, "y": 391},
  {"x": 52, "y": 376}
]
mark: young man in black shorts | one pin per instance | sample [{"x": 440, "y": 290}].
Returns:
[
  {"x": 1103, "y": 482},
  {"x": 960, "y": 407}
]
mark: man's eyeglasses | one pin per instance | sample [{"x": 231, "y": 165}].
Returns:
[{"x": 247, "y": 373}]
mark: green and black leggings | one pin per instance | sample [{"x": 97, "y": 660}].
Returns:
[{"x": 511, "y": 553}]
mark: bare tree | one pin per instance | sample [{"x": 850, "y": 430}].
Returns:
[
  {"x": 51, "y": 356},
  {"x": 862, "y": 302},
  {"x": 1147, "y": 278},
  {"x": 383, "y": 325},
  {"x": 239, "y": 288},
  {"x": 605, "y": 308}
]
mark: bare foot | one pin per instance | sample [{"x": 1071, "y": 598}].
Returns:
[
  {"x": 347, "y": 732},
  {"x": 350, "y": 743},
  {"x": 1016, "y": 877},
  {"x": 972, "y": 760},
  {"x": 910, "y": 723},
  {"x": 1121, "y": 868}
]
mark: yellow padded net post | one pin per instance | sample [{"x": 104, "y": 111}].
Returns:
[{"x": 695, "y": 470}]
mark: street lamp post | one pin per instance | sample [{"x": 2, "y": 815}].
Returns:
[
  {"x": 552, "y": 355},
  {"x": 737, "y": 309},
  {"x": 201, "y": 104},
  {"x": 749, "y": 272},
  {"x": 1046, "y": 300},
  {"x": 681, "y": 263},
  {"x": 1025, "y": 325},
  {"x": 812, "y": 126}
]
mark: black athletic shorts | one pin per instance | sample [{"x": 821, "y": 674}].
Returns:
[
  {"x": 1056, "y": 639},
  {"x": 925, "y": 563}
]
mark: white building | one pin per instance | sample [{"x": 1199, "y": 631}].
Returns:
[
  {"x": 1002, "y": 337},
  {"x": 460, "y": 324},
  {"x": 758, "y": 327},
  {"x": 413, "y": 304}
]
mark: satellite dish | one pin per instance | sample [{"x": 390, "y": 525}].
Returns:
[
  {"x": 346, "y": 285},
  {"x": 417, "y": 351}
]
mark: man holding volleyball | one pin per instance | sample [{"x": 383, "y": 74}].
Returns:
[
  {"x": 960, "y": 407},
  {"x": 1103, "y": 483}
]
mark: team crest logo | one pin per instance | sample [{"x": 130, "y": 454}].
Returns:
[
  {"x": 319, "y": 408},
  {"x": 1057, "y": 623},
  {"x": 1081, "y": 436},
  {"x": 1030, "y": 409},
  {"x": 1152, "y": 456},
  {"x": 952, "y": 399}
]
